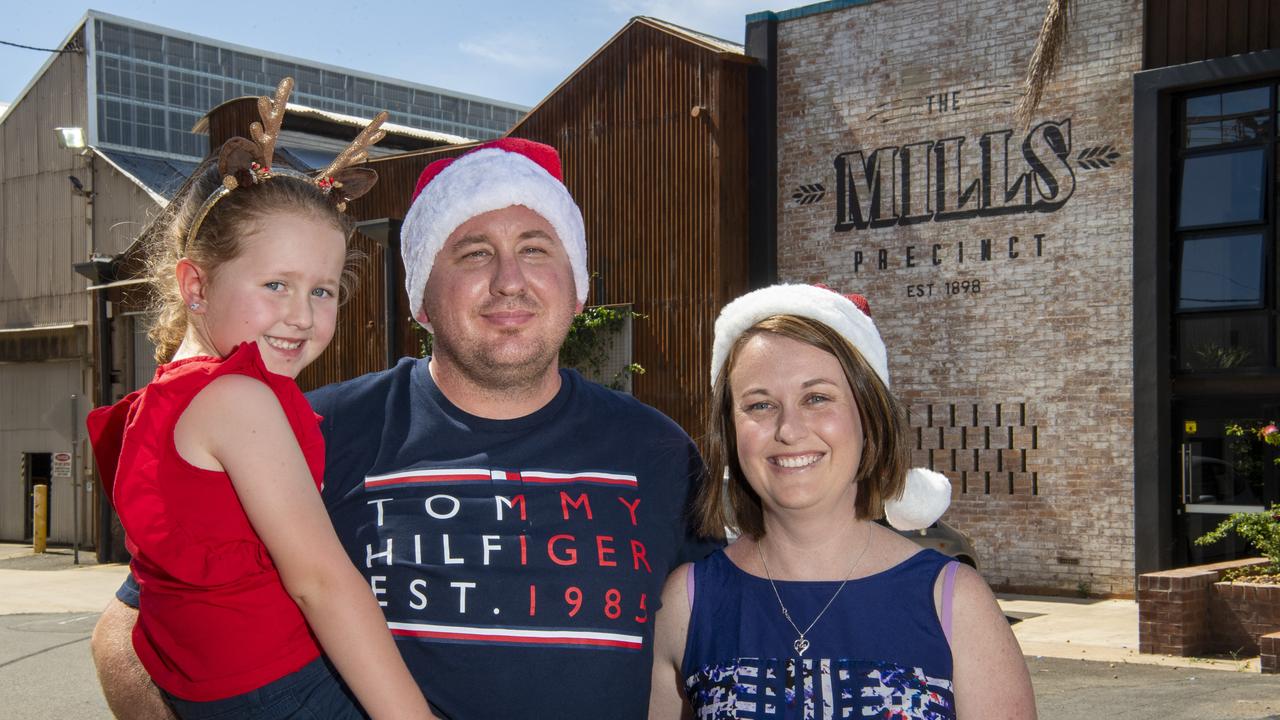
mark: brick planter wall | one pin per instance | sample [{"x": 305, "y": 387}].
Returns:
[
  {"x": 1269, "y": 652},
  {"x": 1241, "y": 613},
  {"x": 1188, "y": 612}
]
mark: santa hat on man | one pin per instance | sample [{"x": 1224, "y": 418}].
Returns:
[
  {"x": 927, "y": 494},
  {"x": 493, "y": 176}
]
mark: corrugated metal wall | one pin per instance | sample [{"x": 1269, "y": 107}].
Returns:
[
  {"x": 42, "y": 232},
  {"x": 663, "y": 193},
  {"x": 28, "y": 392},
  {"x": 358, "y": 344},
  {"x": 121, "y": 209},
  {"x": 1183, "y": 31},
  {"x": 41, "y": 221}
]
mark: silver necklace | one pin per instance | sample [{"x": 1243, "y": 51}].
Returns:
[{"x": 801, "y": 643}]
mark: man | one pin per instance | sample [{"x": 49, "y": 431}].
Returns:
[{"x": 515, "y": 522}]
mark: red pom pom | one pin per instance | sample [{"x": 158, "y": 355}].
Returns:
[{"x": 855, "y": 298}]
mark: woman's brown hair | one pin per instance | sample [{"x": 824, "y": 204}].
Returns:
[{"x": 725, "y": 499}]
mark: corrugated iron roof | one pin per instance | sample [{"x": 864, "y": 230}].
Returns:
[
  {"x": 390, "y": 128},
  {"x": 439, "y": 138},
  {"x": 162, "y": 177}
]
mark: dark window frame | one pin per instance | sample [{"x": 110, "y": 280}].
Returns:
[
  {"x": 1154, "y": 386},
  {"x": 1266, "y": 225}
]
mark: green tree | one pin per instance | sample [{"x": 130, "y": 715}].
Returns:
[{"x": 1260, "y": 529}]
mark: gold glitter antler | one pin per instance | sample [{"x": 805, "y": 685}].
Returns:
[
  {"x": 243, "y": 162},
  {"x": 358, "y": 151},
  {"x": 267, "y": 132}
]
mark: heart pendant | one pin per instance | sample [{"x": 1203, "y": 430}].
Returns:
[{"x": 800, "y": 645}]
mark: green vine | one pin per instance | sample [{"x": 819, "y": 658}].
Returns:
[{"x": 586, "y": 349}]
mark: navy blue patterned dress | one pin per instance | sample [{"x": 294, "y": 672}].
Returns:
[{"x": 879, "y": 651}]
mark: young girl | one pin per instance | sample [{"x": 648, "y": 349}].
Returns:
[{"x": 214, "y": 466}]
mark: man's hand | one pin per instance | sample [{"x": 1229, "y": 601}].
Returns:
[{"x": 128, "y": 688}]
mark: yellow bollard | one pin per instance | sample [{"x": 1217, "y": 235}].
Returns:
[{"x": 40, "y": 529}]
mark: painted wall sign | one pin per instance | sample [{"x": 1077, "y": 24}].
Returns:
[
  {"x": 997, "y": 256},
  {"x": 952, "y": 178}
]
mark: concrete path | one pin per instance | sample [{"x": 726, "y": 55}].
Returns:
[
  {"x": 1100, "y": 630},
  {"x": 51, "y": 583}
]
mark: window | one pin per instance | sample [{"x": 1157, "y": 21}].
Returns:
[
  {"x": 147, "y": 46},
  {"x": 1228, "y": 117},
  {"x": 179, "y": 53},
  {"x": 1224, "y": 241},
  {"x": 113, "y": 38},
  {"x": 1223, "y": 188},
  {"x": 1223, "y": 343},
  {"x": 1222, "y": 272}
]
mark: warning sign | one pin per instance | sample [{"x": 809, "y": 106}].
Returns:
[{"x": 61, "y": 465}]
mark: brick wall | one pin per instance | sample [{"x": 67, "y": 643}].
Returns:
[
  {"x": 1187, "y": 612},
  {"x": 1241, "y": 613},
  {"x": 1269, "y": 653},
  {"x": 996, "y": 258}
]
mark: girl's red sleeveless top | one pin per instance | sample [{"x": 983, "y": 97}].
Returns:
[{"x": 215, "y": 620}]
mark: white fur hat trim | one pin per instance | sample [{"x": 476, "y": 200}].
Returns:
[
  {"x": 925, "y": 497},
  {"x": 808, "y": 301},
  {"x": 476, "y": 183}
]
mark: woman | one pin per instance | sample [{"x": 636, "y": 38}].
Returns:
[{"x": 816, "y": 610}]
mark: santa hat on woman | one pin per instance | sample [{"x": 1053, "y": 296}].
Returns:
[{"x": 927, "y": 494}]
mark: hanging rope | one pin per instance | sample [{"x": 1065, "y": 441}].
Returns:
[{"x": 1044, "y": 60}]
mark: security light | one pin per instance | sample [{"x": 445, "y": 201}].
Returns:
[{"x": 70, "y": 138}]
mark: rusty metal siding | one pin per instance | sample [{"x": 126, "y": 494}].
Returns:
[
  {"x": 663, "y": 193},
  {"x": 1183, "y": 31},
  {"x": 232, "y": 119},
  {"x": 358, "y": 344}
]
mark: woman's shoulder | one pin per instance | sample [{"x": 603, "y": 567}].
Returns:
[{"x": 891, "y": 549}]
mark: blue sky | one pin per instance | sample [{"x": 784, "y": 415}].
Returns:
[{"x": 513, "y": 50}]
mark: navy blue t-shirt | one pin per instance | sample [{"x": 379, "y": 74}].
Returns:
[{"x": 519, "y": 562}]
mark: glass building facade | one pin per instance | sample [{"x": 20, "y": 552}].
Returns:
[{"x": 152, "y": 86}]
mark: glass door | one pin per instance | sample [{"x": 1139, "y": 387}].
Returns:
[{"x": 1223, "y": 467}]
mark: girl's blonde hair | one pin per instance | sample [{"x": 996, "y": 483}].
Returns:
[{"x": 218, "y": 239}]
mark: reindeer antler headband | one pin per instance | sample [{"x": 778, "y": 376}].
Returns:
[{"x": 243, "y": 162}]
